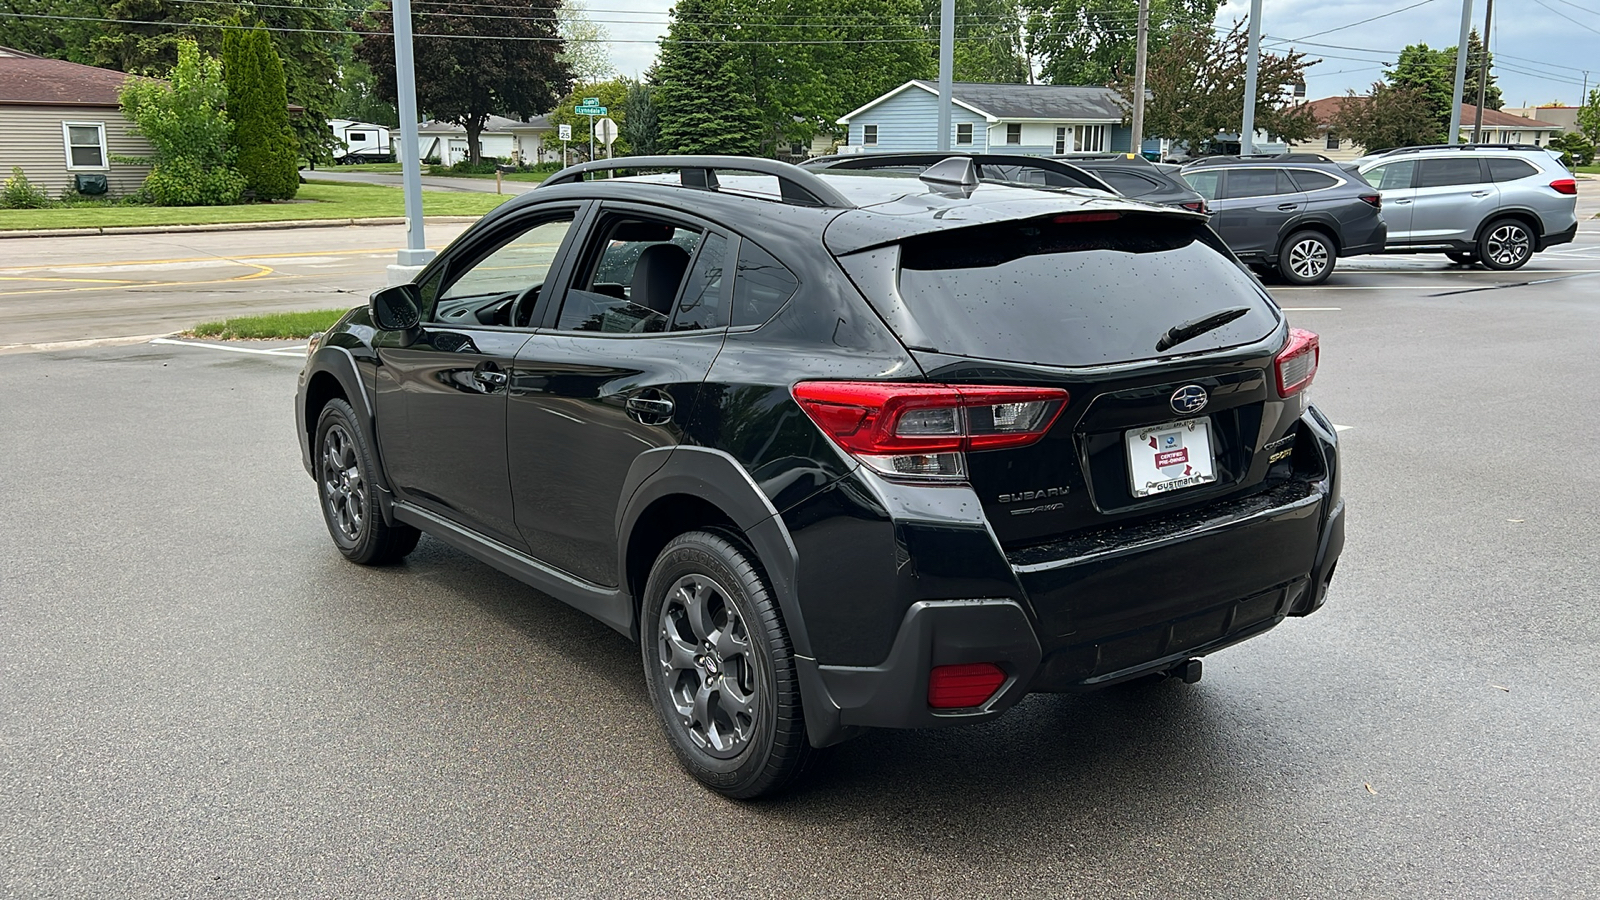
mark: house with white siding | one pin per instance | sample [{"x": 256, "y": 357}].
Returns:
[
  {"x": 1030, "y": 119},
  {"x": 60, "y": 123},
  {"x": 530, "y": 141}
]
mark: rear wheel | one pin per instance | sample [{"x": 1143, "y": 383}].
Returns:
[
  {"x": 720, "y": 669},
  {"x": 1462, "y": 257},
  {"x": 1505, "y": 244},
  {"x": 349, "y": 499},
  {"x": 1306, "y": 258}
]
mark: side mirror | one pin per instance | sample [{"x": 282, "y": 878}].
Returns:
[{"x": 397, "y": 307}]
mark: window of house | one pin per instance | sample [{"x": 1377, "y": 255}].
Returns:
[
  {"x": 1514, "y": 137},
  {"x": 964, "y": 134},
  {"x": 869, "y": 135},
  {"x": 1014, "y": 133},
  {"x": 86, "y": 144},
  {"x": 1333, "y": 141},
  {"x": 1061, "y": 140},
  {"x": 1089, "y": 138}
]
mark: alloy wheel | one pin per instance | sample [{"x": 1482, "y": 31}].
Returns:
[
  {"x": 1508, "y": 245},
  {"x": 708, "y": 667},
  {"x": 1308, "y": 259},
  {"x": 344, "y": 489}
]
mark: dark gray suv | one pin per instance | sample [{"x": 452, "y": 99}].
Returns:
[{"x": 1295, "y": 217}]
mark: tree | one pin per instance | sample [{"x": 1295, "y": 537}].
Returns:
[
  {"x": 640, "y": 125},
  {"x": 583, "y": 43},
  {"x": 1576, "y": 150},
  {"x": 185, "y": 120},
  {"x": 143, "y": 36},
  {"x": 259, "y": 107},
  {"x": 1432, "y": 74},
  {"x": 1589, "y": 117},
  {"x": 990, "y": 43},
  {"x": 613, "y": 96},
  {"x": 309, "y": 41},
  {"x": 1094, "y": 41},
  {"x": 1197, "y": 82},
  {"x": 1469, "y": 94},
  {"x": 472, "y": 70},
  {"x": 703, "y": 105},
  {"x": 1390, "y": 116},
  {"x": 53, "y": 38}
]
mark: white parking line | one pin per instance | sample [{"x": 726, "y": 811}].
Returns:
[
  {"x": 1311, "y": 308},
  {"x": 259, "y": 351},
  {"x": 1342, "y": 427}
]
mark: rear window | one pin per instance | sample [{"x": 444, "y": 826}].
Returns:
[{"x": 1068, "y": 293}]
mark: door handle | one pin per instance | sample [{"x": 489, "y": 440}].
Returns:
[
  {"x": 650, "y": 406},
  {"x": 492, "y": 377},
  {"x": 1480, "y": 193},
  {"x": 1401, "y": 202},
  {"x": 1286, "y": 207}
]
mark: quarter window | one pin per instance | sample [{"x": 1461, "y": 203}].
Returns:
[
  {"x": 1307, "y": 180},
  {"x": 1445, "y": 172},
  {"x": 1509, "y": 169},
  {"x": 964, "y": 133},
  {"x": 761, "y": 287},
  {"x": 1014, "y": 133},
  {"x": 86, "y": 144},
  {"x": 869, "y": 135}
]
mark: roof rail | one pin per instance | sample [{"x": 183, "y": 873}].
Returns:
[
  {"x": 1420, "y": 147},
  {"x": 1257, "y": 157},
  {"x": 798, "y": 186},
  {"x": 930, "y": 158}
]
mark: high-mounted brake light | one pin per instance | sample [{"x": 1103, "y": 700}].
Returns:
[
  {"x": 1373, "y": 200},
  {"x": 1297, "y": 362},
  {"x": 924, "y": 431},
  {"x": 1078, "y": 218},
  {"x": 963, "y": 687},
  {"x": 1565, "y": 186}
]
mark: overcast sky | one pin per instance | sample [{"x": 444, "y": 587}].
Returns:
[{"x": 1540, "y": 46}]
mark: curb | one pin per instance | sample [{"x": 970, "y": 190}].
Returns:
[{"x": 227, "y": 226}]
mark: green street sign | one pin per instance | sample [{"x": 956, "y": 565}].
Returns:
[
  {"x": 590, "y": 110},
  {"x": 590, "y": 101}
]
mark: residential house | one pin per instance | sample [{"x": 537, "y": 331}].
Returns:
[
  {"x": 60, "y": 123},
  {"x": 1499, "y": 127},
  {"x": 1031, "y": 119},
  {"x": 1564, "y": 116},
  {"x": 528, "y": 141}
]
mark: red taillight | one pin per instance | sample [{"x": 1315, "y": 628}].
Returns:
[
  {"x": 1373, "y": 200},
  {"x": 1198, "y": 206},
  {"x": 963, "y": 687},
  {"x": 1297, "y": 363},
  {"x": 923, "y": 430},
  {"x": 1565, "y": 186}
]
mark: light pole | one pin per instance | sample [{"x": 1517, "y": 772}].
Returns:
[{"x": 416, "y": 254}]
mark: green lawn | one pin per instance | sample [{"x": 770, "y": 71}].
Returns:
[
  {"x": 1587, "y": 170},
  {"x": 356, "y": 167},
  {"x": 535, "y": 177},
  {"x": 316, "y": 200},
  {"x": 270, "y": 325}
]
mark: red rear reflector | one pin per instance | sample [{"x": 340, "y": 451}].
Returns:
[
  {"x": 1565, "y": 186},
  {"x": 1373, "y": 200},
  {"x": 1075, "y": 218},
  {"x": 1198, "y": 206},
  {"x": 963, "y": 687},
  {"x": 1297, "y": 363}
]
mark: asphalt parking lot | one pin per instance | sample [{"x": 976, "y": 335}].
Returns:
[{"x": 198, "y": 697}]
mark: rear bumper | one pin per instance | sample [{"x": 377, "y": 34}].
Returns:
[
  {"x": 1559, "y": 237},
  {"x": 1112, "y": 612}
]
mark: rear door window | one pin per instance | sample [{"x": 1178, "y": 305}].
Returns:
[
  {"x": 1449, "y": 171},
  {"x": 1256, "y": 183},
  {"x": 1509, "y": 169},
  {"x": 634, "y": 269},
  {"x": 1068, "y": 293}
]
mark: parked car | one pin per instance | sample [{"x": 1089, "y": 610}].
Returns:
[
  {"x": 1294, "y": 214},
  {"x": 1495, "y": 204},
  {"x": 1136, "y": 177},
  {"x": 840, "y": 450},
  {"x": 994, "y": 168}
]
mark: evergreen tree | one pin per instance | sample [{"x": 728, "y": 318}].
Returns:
[
  {"x": 641, "y": 126},
  {"x": 1469, "y": 95},
  {"x": 702, "y": 104},
  {"x": 259, "y": 107}
]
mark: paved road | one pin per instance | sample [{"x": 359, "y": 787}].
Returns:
[
  {"x": 429, "y": 182},
  {"x": 201, "y": 699}
]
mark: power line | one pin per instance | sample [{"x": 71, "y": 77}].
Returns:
[
  {"x": 1567, "y": 17},
  {"x": 1363, "y": 21}
]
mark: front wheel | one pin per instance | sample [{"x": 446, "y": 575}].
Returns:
[
  {"x": 720, "y": 669},
  {"x": 1506, "y": 244},
  {"x": 349, "y": 499},
  {"x": 1306, "y": 258}
]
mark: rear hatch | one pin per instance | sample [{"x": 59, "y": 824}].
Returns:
[{"x": 1081, "y": 302}]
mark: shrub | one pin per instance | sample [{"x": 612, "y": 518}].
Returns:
[
  {"x": 20, "y": 193},
  {"x": 181, "y": 182},
  {"x": 1575, "y": 148},
  {"x": 259, "y": 107}
]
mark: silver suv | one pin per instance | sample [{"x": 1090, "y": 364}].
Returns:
[{"x": 1497, "y": 204}]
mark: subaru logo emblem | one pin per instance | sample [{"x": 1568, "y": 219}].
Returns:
[{"x": 1191, "y": 398}]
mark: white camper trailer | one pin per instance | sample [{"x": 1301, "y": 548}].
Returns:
[{"x": 360, "y": 142}]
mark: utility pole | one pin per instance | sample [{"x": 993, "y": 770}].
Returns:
[
  {"x": 1252, "y": 65},
  {"x": 1483, "y": 74},
  {"x": 1454, "y": 135},
  {"x": 947, "y": 53},
  {"x": 416, "y": 253},
  {"x": 1138, "y": 79}
]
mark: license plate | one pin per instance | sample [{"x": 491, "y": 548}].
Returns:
[{"x": 1170, "y": 457}]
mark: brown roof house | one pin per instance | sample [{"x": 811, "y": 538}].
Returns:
[
  {"x": 1498, "y": 128},
  {"x": 59, "y": 120}
]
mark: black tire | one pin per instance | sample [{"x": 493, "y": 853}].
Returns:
[
  {"x": 1462, "y": 257},
  {"x": 720, "y": 669},
  {"x": 1505, "y": 244},
  {"x": 348, "y": 497},
  {"x": 1306, "y": 258}
]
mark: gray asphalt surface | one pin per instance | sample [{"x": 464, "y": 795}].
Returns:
[
  {"x": 199, "y": 698},
  {"x": 429, "y": 182}
]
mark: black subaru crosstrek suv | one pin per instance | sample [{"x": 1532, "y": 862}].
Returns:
[{"x": 841, "y": 451}]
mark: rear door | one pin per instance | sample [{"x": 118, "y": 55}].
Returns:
[
  {"x": 1394, "y": 181},
  {"x": 1254, "y": 209},
  {"x": 1452, "y": 198},
  {"x": 612, "y": 374}
]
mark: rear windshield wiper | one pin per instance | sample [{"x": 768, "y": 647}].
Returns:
[{"x": 1196, "y": 327}]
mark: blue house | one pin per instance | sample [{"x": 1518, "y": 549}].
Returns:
[{"x": 1033, "y": 119}]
